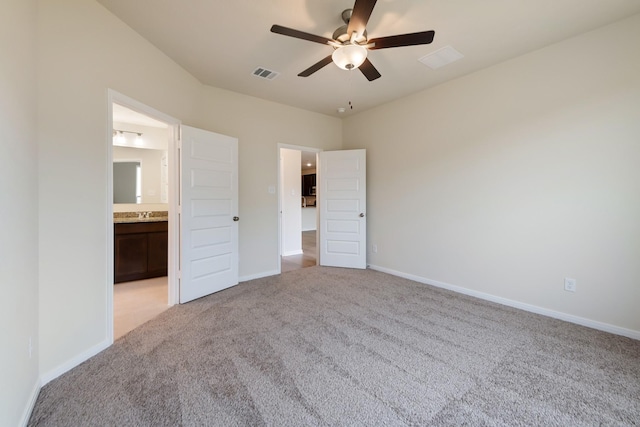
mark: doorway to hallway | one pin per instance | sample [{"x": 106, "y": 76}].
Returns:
[
  {"x": 308, "y": 256},
  {"x": 297, "y": 202}
]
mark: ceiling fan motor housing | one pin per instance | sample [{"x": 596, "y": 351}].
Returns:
[
  {"x": 346, "y": 15},
  {"x": 341, "y": 35}
]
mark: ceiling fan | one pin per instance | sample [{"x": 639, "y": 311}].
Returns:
[{"x": 350, "y": 41}]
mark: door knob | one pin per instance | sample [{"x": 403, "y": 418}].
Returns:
[
  {"x": 235, "y": 218},
  {"x": 361, "y": 215}
]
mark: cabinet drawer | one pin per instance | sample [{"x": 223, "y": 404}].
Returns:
[{"x": 140, "y": 227}]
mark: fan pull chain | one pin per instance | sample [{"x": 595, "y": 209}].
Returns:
[{"x": 350, "y": 83}]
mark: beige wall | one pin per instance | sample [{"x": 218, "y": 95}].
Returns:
[
  {"x": 82, "y": 49},
  {"x": 510, "y": 179},
  {"x": 18, "y": 210}
]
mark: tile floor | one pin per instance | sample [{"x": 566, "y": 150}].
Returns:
[
  {"x": 137, "y": 302},
  {"x": 307, "y": 259}
]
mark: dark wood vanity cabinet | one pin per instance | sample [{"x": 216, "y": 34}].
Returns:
[
  {"x": 140, "y": 250},
  {"x": 309, "y": 185}
]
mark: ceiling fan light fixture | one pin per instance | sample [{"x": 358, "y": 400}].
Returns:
[
  {"x": 349, "y": 56},
  {"x": 350, "y": 41}
]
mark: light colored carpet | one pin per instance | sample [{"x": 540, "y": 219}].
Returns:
[{"x": 325, "y": 346}]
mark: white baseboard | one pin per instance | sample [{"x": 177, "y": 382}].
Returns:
[
  {"x": 293, "y": 253},
  {"x": 72, "y": 363},
  {"x": 630, "y": 333},
  {"x": 258, "y": 275},
  {"x": 26, "y": 415}
]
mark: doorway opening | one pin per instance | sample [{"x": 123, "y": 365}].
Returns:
[
  {"x": 298, "y": 207},
  {"x": 142, "y": 245}
]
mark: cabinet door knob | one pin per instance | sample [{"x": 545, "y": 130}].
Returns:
[
  {"x": 361, "y": 215},
  {"x": 235, "y": 218}
]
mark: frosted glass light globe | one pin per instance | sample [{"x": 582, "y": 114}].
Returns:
[{"x": 349, "y": 56}]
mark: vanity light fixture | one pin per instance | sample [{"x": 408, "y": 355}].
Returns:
[{"x": 119, "y": 136}]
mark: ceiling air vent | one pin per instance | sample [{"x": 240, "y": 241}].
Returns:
[
  {"x": 263, "y": 73},
  {"x": 441, "y": 57}
]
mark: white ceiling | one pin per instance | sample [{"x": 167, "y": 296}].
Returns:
[
  {"x": 123, "y": 114},
  {"x": 222, "y": 42},
  {"x": 308, "y": 158}
]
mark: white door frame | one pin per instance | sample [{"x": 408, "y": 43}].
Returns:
[
  {"x": 174, "y": 184},
  {"x": 299, "y": 148}
]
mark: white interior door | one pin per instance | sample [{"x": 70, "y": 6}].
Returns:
[
  {"x": 209, "y": 213},
  {"x": 342, "y": 203}
]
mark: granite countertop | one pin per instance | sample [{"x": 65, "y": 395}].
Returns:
[{"x": 131, "y": 217}]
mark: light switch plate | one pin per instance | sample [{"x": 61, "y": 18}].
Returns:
[{"x": 569, "y": 284}]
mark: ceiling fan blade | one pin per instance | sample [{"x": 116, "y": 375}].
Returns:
[
  {"x": 278, "y": 29},
  {"x": 360, "y": 16},
  {"x": 315, "y": 67},
  {"x": 369, "y": 70},
  {"x": 412, "y": 39}
]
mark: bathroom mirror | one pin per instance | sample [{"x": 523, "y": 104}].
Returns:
[
  {"x": 127, "y": 182},
  {"x": 139, "y": 175}
]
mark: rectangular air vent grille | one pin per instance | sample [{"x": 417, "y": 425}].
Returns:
[
  {"x": 263, "y": 73},
  {"x": 441, "y": 57}
]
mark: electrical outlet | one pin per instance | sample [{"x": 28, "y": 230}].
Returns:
[
  {"x": 569, "y": 284},
  {"x": 374, "y": 248}
]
